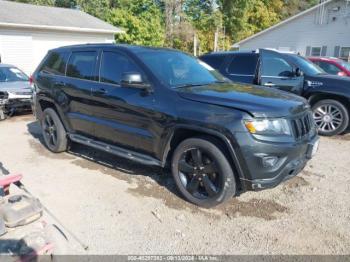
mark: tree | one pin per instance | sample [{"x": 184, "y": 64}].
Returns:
[
  {"x": 37, "y": 2},
  {"x": 206, "y": 19},
  {"x": 292, "y": 7},
  {"x": 174, "y": 23},
  {"x": 141, "y": 20}
]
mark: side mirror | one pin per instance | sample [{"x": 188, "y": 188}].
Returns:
[
  {"x": 298, "y": 72},
  {"x": 134, "y": 80}
]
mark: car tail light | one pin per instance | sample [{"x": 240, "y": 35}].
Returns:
[
  {"x": 31, "y": 80},
  {"x": 342, "y": 73}
]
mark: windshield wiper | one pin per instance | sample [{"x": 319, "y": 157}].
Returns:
[
  {"x": 189, "y": 85},
  {"x": 199, "y": 84}
]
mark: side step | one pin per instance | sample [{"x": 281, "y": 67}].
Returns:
[{"x": 115, "y": 150}]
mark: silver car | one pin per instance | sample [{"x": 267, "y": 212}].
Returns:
[{"x": 15, "y": 91}]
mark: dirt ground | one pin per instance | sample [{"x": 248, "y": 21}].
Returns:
[{"x": 119, "y": 207}]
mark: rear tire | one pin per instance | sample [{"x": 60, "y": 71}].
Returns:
[
  {"x": 53, "y": 131},
  {"x": 202, "y": 172},
  {"x": 331, "y": 117}
]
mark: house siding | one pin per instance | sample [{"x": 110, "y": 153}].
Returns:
[
  {"x": 25, "y": 49},
  {"x": 304, "y": 32}
]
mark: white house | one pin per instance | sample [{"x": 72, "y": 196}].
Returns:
[
  {"x": 27, "y": 32},
  {"x": 323, "y": 30}
]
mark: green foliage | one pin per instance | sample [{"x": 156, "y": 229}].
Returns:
[
  {"x": 141, "y": 20},
  {"x": 95, "y": 8},
  {"x": 38, "y": 2}
]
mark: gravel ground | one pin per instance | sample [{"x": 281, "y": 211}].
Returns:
[{"x": 119, "y": 207}]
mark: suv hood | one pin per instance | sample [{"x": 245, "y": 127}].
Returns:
[
  {"x": 331, "y": 80},
  {"x": 16, "y": 87},
  {"x": 258, "y": 101}
]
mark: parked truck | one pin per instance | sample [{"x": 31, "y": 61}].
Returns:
[{"x": 328, "y": 95}]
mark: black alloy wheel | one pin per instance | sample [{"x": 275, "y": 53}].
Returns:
[
  {"x": 53, "y": 131},
  {"x": 199, "y": 174},
  {"x": 50, "y": 131},
  {"x": 202, "y": 172}
]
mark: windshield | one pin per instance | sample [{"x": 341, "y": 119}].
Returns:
[
  {"x": 12, "y": 74},
  {"x": 306, "y": 66},
  {"x": 346, "y": 65},
  {"x": 177, "y": 69}
]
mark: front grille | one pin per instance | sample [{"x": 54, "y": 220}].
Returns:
[
  {"x": 303, "y": 125},
  {"x": 4, "y": 95}
]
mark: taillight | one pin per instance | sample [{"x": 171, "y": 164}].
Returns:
[
  {"x": 31, "y": 80},
  {"x": 341, "y": 73}
]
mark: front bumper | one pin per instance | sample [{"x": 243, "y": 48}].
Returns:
[
  {"x": 291, "y": 160},
  {"x": 18, "y": 104}
]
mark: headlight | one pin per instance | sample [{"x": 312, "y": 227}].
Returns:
[
  {"x": 11, "y": 95},
  {"x": 268, "y": 127}
]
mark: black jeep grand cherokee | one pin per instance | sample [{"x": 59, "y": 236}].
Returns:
[{"x": 159, "y": 106}]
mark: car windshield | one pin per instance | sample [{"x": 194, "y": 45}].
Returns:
[
  {"x": 307, "y": 66},
  {"x": 177, "y": 69},
  {"x": 346, "y": 65},
  {"x": 12, "y": 74}
]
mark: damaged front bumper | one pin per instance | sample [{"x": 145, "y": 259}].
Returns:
[{"x": 11, "y": 103}]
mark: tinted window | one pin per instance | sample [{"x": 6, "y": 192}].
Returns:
[
  {"x": 81, "y": 65},
  {"x": 329, "y": 68},
  {"x": 275, "y": 65},
  {"x": 243, "y": 64},
  {"x": 113, "y": 65},
  {"x": 214, "y": 60},
  {"x": 55, "y": 63}
]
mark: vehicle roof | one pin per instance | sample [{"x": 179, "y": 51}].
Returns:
[
  {"x": 229, "y": 53},
  {"x": 6, "y": 65},
  {"x": 325, "y": 58},
  {"x": 126, "y": 46}
]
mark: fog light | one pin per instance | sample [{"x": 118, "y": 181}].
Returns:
[{"x": 269, "y": 161}]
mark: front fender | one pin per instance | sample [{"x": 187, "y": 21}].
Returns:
[{"x": 227, "y": 139}]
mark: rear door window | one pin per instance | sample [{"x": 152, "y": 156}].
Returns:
[
  {"x": 243, "y": 64},
  {"x": 114, "y": 65},
  {"x": 55, "y": 63},
  {"x": 82, "y": 65}
]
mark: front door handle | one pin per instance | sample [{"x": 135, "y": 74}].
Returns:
[
  {"x": 60, "y": 83},
  {"x": 100, "y": 91},
  {"x": 269, "y": 84}
]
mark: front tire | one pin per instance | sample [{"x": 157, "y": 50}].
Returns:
[
  {"x": 202, "y": 172},
  {"x": 331, "y": 117},
  {"x": 53, "y": 131}
]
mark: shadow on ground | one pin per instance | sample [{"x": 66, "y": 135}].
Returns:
[{"x": 152, "y": 181}]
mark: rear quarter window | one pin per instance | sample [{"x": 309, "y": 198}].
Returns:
[
  {"x": 243, "y": 64},
  {"x": 55, "y": 63}
]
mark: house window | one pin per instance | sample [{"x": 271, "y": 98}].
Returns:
[
  {"x": 316, "y": 51},
  {"x": 345, "y": 53}
]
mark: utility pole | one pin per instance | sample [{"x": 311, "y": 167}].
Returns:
[
  {"x": 216, "y": 38},
  {"x": 194, "y": 45}
]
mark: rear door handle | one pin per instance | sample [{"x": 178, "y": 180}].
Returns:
[
  {"x": 269, "y": 84},
  {"x": 100, "y": 91}
]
